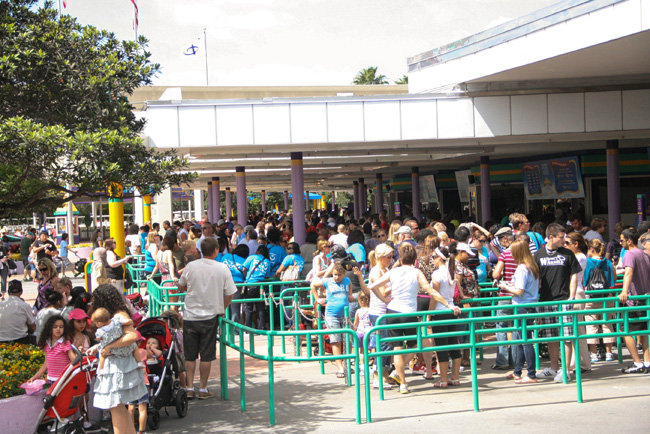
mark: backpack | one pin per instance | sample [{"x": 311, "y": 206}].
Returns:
[{"x": 596, "y": 280}]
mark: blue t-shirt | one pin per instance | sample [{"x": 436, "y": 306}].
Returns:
[
  {"x": 358, "y": 251},
  {"x": 293, "y": 259},
  {"x": 337, "y": 296},
  {"x": 276, "y": 255},
  {"x": 396, "y": 252},
  {"x": 143, "y": 240},
  {"x": 481, "y": 271},
  {"x": 63, "y": 249},
  {"x": 256, "y": 273},
  {"x": 235, "y": 264},
  {"x": 524, "y": 278}
]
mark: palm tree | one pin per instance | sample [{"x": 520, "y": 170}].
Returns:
[
  {"x": 403, "y": 80},
  {"x": 369, "y": 76}
]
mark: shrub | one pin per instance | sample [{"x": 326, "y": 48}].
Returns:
[{"x": 18, "y": 363}]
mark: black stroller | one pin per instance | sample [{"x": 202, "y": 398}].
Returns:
[{"x": 163, "y": 377}]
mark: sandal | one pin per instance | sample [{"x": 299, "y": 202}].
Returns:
[
  {"x": 465, "y": 363},
  {"x": 340, "y": 375},
  {"x": 440, "y": 385},
  {"x": 512, "y": 376},
  {"x": 455, "y": 383},
  {"x": 526, "y": 380}
]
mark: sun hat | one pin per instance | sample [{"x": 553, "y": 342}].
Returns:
[{"x": 77, "y": 314}]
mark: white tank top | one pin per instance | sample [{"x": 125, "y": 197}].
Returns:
[
  {"x": 405, "y": 286},
  {"x": 376, "y": 306}
]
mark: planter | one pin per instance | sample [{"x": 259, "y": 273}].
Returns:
[{"x": 19, "y": 414}]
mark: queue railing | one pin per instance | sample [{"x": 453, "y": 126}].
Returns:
[{"x": 519, "y": 323}]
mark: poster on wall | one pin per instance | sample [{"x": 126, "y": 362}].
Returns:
[
  {"x": 428, "y": 191},
  {"x": 559, "y": 178},
  {"x": 462, "y": 180}
]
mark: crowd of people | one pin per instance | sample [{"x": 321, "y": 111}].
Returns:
[{"x": 431, "y": 264}]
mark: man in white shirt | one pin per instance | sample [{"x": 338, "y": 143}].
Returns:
[
  {"x": 207, "y": 231},
  {"x": 209, "y": 290},
  {"x": 341, "y": 238},
  {"x": 16, "y": 317}
]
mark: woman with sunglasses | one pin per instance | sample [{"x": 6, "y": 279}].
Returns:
[
  {"x": 321, "y": 262},
  {"x": 49, "y": 280},
  {"x": 480, "y": 241}
]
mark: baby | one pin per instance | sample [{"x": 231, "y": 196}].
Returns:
[
  {"x": 108, "y": 331},
  {"x": 153, "y": 350}
]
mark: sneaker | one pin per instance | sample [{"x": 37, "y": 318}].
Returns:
[
  {"x": 189, "y": 393},
  {"x": 418, "y": 367},
  {"x": 434, "y": 371},
  {"x": 90, "y": 428},
  {"x": 594, "y": 358},
  {"x": 558, "y": 378},
  {"x": 206, "y": 395},
  {"x": 546, "y": 374},
  {"x": 609, "y": 357},
  {"x": 387, "y": 386},
  {"x": 393, "y": 376},
  {"x": 403, "y": 389},
  {"x": 634, "y": 369}
]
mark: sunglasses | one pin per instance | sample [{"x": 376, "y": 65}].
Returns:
[
  {"x": 381, "y": 235},
  {"x": 482, "y": 240},
  {"x": 43, "y": 269},
  {"x": 208, "y": 227}
]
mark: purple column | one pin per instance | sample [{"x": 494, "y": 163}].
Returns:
[
  {"x": 415, "y": 191},
  {"x": 264, "y": 201},
  {"x": 216, "y": 198},
  {"x": 210, "y": 215},
  {"x": 297, "y": 188},
  {"x": 355, "y": 197},
  {"x": 240, "y": 174},
  {"x": 308, "y": 204},
  {"x": 380, "y": 193},
  {"x": 286, "y": 201},
  {"x": 228, "y": 204},
  {"x": 613, "y": 187},
  {"x": 362, "y": 197},
  {"x": 486, "y": 196},
  {"x": 333, "y": 201}
]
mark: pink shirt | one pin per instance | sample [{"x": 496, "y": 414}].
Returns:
[
  {"x": 57, "y": 358},
  {"x": 509, "y": 268}
]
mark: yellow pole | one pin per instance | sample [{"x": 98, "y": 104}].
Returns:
[
  {"x": 146, "y": 205},
  {"x": 116, "y": 216}
]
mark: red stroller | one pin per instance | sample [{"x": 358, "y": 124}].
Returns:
[{"x": 66, "y": 397}]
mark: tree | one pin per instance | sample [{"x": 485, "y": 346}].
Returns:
[
  {"x": 65, "y": 119},
  {"x": 403, "y": 80},
  {"x": 369, "y": 76}
]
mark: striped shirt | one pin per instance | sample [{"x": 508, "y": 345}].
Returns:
[
  {"x": 57, "y": 358},
  {"x": 509, "y": 268}
]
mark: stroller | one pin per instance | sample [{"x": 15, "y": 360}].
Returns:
[
  {"x": 327, "y": 345},
  {"x": 80, "y": 266},
  {"x": 163, "y": 377},
  {"x": 66, "y": 397}
]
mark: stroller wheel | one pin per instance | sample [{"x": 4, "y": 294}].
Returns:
[
  {"x": 153, "y": 420},
  {"x": 74, "y": 428},
  {"x": 181, "y": 404}
]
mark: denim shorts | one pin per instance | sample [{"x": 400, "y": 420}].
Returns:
[
  {"x": 333, "y": 323},
  {"x": 144, "y": 399}
]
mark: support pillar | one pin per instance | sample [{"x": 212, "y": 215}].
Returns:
[
  {"x": 297, "y": 188},
  {"x": 146, "y": 208},
  {"x": 164, "y": 205},
  {"x": 216, "y": 198},
  {"x": 613, "y": 187},
  {"x": 198, "y": 205},
  {"x": 380, "y": 192},
  {"x": 228, "y": 204},
  {"x": 307, "y": 201},
  {"x": 486, "y": 196},
  {"x": 286, "y": 201},
  {"x": 333, "y": 201},
  {"x": 138, "y": 208},
  {"x": 362, "y": 202},
  {"x": 210, "y": 203},
  {"x": 93, "y": 212},
  {"x": 415, "y": 191},
  {"x": 355, "y": 198},
  {"x": 263, "y": 201},
  {"x": 240, "y": 174},
  {"x": 116, "y": 216}
]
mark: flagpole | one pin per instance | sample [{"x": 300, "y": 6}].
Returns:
[
  {"x": 135, "y": 22},
  {"x": 59, "y": 5},
  {"x": 205, "y": 44}
]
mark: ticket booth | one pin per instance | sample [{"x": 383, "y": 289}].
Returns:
[{"x": 61, "y": 224}]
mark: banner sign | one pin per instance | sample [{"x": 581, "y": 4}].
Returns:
[
  {"x": 428, "y": 191},
  {"x": 558, "y": 178},
  {"x": 462, "y": 180}
]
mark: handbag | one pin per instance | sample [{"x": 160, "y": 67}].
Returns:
[
  {"x": 292, "y": 272},
  {"x": 11, "y": 264}
]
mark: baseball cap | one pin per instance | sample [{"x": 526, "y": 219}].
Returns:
[
  {"x": 338, "y": 251},
  {"x": 503, "y": 231},
  {"x": 464, "y": 247},
  {"x": 221, "y": 222},
  {"x": 77, "y": 314},
  {"x": 404, "y": 230}
]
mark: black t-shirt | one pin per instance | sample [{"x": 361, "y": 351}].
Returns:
[
  {"x": 556, "y": 269},
  {"x": 171, "y": 233},
  {"x": 41, "y": 254}
]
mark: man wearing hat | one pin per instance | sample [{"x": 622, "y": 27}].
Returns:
[
  {"x": 16, "y": 317},
  {"x": 404, "y": 235},
  {"x": 505, "y": 268}
]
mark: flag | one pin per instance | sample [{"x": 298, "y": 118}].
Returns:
[
  {"x": 135, "y": 20},
  {"x": 65, "y": 3},
  {"x": 194, "y": 48}
]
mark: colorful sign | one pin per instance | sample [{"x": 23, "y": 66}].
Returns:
[
  {"x": 553, "y": 179},
  {"x": 462, "y": 180},
  {"x": 428, "y": 191}
]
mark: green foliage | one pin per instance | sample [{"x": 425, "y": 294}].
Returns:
[
  {"x": 369, "y": 76},
  {"x": 272, "y": 199},
  {"x": 403, "y": 80},
  {"x": 64, "y": 113}
]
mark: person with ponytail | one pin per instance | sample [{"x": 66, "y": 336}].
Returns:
[{"x": 525, "y": 289}]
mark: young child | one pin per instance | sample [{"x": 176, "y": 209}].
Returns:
[
  {"x": 109, "y": 330},
  {"x": 362, "y": 320},
  {"x": 143, "y": 402},
  {"x": 78, "y": 323},
  {"x": 175, "y": 323},
  {"x": 58, "y": 349},
  {"x": 153, "y": 351}
]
